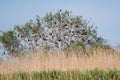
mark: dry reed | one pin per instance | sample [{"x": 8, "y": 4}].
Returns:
[{"x": 39, "y": 61}]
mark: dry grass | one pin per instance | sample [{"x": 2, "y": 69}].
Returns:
[{"x": 39, "y": 61}]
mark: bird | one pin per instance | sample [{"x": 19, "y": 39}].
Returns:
[
  {"x": 50, "y": 33},
  {"x": 76, "y": 26},
  {"x": 89, "y": 42},
  {"x": 3, "y": 53},
  {"x": 18, "y": 35},
  {"x": 84, "y": 32},
  {"x": 29, "y": 41},
  {"x": 55, "y": 22},
  {"x": 60, "y": 10},
  {"x": 59, "y": 39},
  {"x": 44, "y": 39},
  {"x": 51, "y": 19}
]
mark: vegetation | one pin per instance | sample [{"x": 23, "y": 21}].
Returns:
[
  {"x": 76, "y": 60},
  {"x": 66, "y": 75},
  {"x": 86, "y": 55},
  {"x": 56, "y": 31},
  {"x": 102, "y": 64},
  {"x": 9, "y": 40}
]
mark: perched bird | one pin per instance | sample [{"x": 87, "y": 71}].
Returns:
[
  {"x": 59, "y": 39},
  {"x": 50, "y": 33},
  {"x": 3, "y": 53},
  {"x": 60, "y": 10},
  {"x": 44, "y": 39},
  {"x": 65, "y": 25},
  {"x": 18, "y": 35},
  {"x": 55, "y": 22},
  {"x": 89, "y": 42},
  {"x": 84, "y": 32},
  {"x": 83, "y": 39},
  {"x": 76, "y": 26}
]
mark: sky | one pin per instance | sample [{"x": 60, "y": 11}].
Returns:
[{"x": 105, "y": 14}]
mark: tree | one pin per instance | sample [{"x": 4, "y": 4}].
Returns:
[
  {"x": 56, "y": 31},
  {"x": 9, "y": 41}
]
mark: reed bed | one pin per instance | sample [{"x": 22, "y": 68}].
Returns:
[{"x": 102, "y": 59}]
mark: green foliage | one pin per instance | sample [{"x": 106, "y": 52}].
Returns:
[
  {"x": 66, "y": 75},
  {"x": 20, "y": 76},
  {"x": 9, "y": 40},
  {"x": 62, "y": 29}
]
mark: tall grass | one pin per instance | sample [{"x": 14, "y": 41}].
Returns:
[
  {"x": 99, "y": 64},
  {"x": 66, "y": 75},
  {"x": 103, "y": 59}
]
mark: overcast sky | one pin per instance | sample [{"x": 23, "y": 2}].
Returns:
[{"x": 105, "y": 14}]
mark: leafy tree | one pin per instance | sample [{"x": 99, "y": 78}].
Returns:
[
  {"x": 9, "y": 41},
  {"x": 57, "y": 31}
]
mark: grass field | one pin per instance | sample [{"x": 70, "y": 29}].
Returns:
[
  {"x": 102, "y": 64},
  {"x": 66, "y": 75}
]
